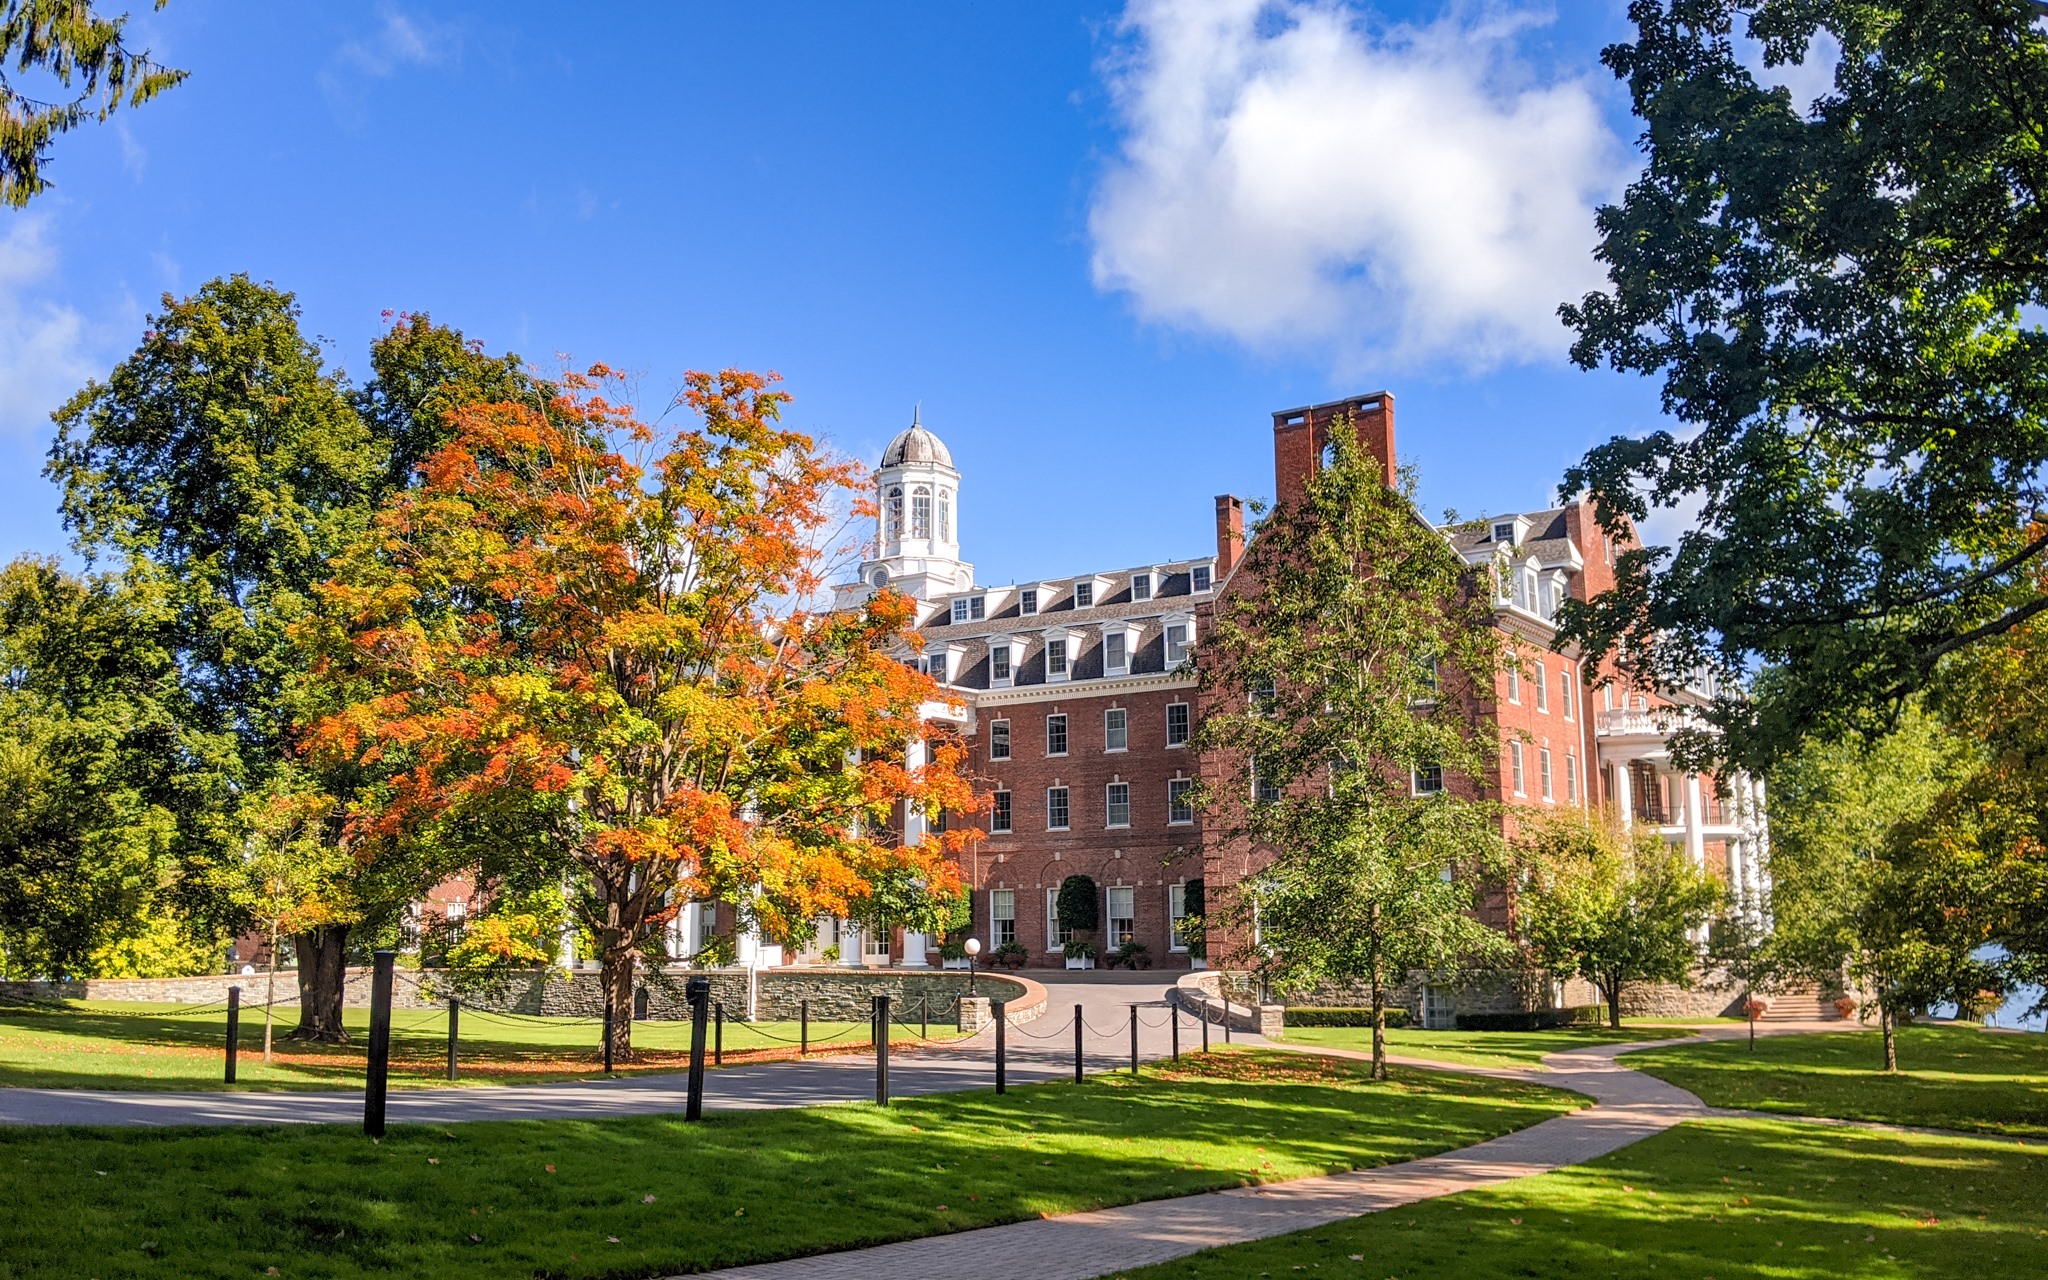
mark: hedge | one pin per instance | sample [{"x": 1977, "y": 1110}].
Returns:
[
  {"x": 1304, "y": 1015},
  {"x": 1585, "y": 1015}
]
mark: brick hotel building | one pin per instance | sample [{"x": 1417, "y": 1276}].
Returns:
[{"x": 1077, "y": 696}]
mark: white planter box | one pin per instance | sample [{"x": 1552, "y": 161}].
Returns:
[
  {"x": 956, "y": 964},
  {"x": 1198, "y": 963},
  {"x": 1080, "y": 962}
]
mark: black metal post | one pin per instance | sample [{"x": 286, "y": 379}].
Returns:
[
  {"x": 1226, "y": 1019},
  {"x": 924, "y": 1017},
  {"x": 380, "y": 1044},
  {"x": 234, "y": 1030},
  {"x": 1134, "y": 1039},
  {"x": 607, "y": 1034},
  {"x": 970, "y": 973},
  {"x": 1002, "y": 1062},
  {"x": 803, "y": 1043},
  {"x": 454, "y": 1031},
  {"x": 718, "y": 1036},
  {"x": 1205, "y": 1024},
  {"x": 882, "y": 1051},
  {"x": 1080, "y": 1024},
  {"x": 1173, "y": 1017},
  {"x": 698, "y": 990}
]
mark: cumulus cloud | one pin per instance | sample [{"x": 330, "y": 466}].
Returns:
[
  {"x": 45, "y": 346},
  {"x": 1300, "y": 179}
]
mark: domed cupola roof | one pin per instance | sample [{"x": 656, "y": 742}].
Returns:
[{"x": 916, "y": 445}]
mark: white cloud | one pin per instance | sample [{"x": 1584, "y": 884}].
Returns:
[
  {"x": 1298, "y": 179},
  {"x": 45, "y": 346},
  {"x": 399, "y": 42}
]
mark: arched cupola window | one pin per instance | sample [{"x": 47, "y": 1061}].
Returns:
[
  {"x": 895, "y": 514},
  {"x": 945, "y": 515},
  {"x": 920, "y": 512}
]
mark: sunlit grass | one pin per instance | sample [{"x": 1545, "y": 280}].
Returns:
[{"x": 1480, "y": 1048}]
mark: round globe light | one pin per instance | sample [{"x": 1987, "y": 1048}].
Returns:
[{"x": 972, "y": 946}]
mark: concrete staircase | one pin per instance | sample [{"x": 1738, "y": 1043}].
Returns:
[{"x": 1807, "y": 1005}]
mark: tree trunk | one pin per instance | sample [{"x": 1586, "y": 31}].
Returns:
[
  {"x": 617, "y": 981},
  {"x": 270, "y": 994},
  {"x": 1612, "y": 989},
  {"x": 323, "y": 969},
  {"x": 1379, "y": 1000},
  {"x": 1891, "y": 1040}
]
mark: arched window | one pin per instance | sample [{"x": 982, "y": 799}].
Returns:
[
  {"x": 920, "y": 512},
  {"x": 945, "y": 515},
  {"x": 895, "y": 530}
]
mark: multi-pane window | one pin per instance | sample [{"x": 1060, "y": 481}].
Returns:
[
  {"x": 1426, "y": 679},
  {"x": 999, "y": 815},
  {"x": 1429, "y": 779},
  {"x": 1114, "y": 658},
  {"x": 970, "y": 609},
  {"x": 1117, "y": 805},
  {"x": 1084, "y": 594},
  {"x": 1176, "y": 724},
  {"x": 1263, "y": 791},
  {"x": 1141, "y": 586},
  {"x": 1116, "y": 732},
  {"x": 896, "y": 512},
  {"x": 1176, "y": 644},
  {"x": 1027, "y": 601},
  {"x": 1055, "y": 808},
  {"x": 1056, "y": 657},
  {"x": 1180, "y": 808},
  {"x": 1055, "y": 936},
  {"x": 920, "y": 513},
  {"x": 1515, "y": 768},
  {"x": 1515, "y": 684},
  {"x": 946, "y": 518},
  {"x": 1543, "y": 772},
  {"x": 1564, "y": 693},
  {"x": 999, "y": 739},
  {"x": 1198, "y": 578},
  {"x": 1571, "y": 776},
  {"x": 1056, "y": 735},
  {"x": 1542, "y": 683},
  {"x": 999, "y": 662},
  {"x": 1123, "y": 914},
  {"x": 1002, "y": 915},
  {"x": 1176, "y": 915},
  {"x": 959, "y": 611}
]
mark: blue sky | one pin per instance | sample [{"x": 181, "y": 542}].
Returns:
[{"x": 1099, "y": 241}]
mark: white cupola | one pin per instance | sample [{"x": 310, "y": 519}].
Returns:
[{"x": 917, "y": 538}]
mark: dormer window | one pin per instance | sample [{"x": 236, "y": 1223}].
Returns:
[
  {"x": 1198, "y": 579},
  {"x": 1115, "y": 661},
  {"x": 999, "y": 664},
  {"x": 1084, "y": 595},
  {"x": 1179, "y": 633},
  {"x": 959, "y": 611},
  {"x": 1027, "y": 601},
  {"x": 1504, "y": 531},
  {"x": 970, "y": 609},
  {"x": 1056, "y": 659},
  {"x": 1141, "y": 586}
]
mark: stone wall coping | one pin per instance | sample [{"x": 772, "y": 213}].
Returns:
[{"x": 1200, "y": 992}]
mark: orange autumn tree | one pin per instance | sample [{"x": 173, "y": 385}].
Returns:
[{"x": 597, "y": 643}]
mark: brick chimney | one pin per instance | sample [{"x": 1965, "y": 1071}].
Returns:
[
  {"x": 1229, "y": 534},
  {"x": 1300, "y": 434}
]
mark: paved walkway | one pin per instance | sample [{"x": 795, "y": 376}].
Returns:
[
  {"x": 1038, "y": 1051},
  {"x": 1630, "y": 1106}
]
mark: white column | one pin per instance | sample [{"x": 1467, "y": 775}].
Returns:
[
  {"x": 1695, "y": 832},
  {"x": 1623, "y": 797}
]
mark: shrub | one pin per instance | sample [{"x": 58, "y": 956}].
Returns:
[
  {"x": 1306, "y": 1015},
  {"x": 1132, "y": 954},
  {"x": 1077, "y": 949},
  {"x": 1585, "y": 1015},
  {"x": 1078, "y": 905},
  {"x": 1011, "y": 955}
]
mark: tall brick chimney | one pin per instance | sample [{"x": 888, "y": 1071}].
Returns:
[
  {"x": 1300, "y": 434},
  {"x": 1229, "y": 534}
]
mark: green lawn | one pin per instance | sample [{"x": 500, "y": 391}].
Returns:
[
  {"x": 1949, "y": 1078},
  {"x": 653, "y": 1196},
  {"x": 1479, "y": 1048},
  {"x": 1710, "y": 1200},
  {"x": 105, "y": 1045}
]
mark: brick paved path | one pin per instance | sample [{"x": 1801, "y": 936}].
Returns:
[{"x": 1630, "y": 1107}]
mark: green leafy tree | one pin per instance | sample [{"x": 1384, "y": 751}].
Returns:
[
  {"x": 1337, "y": 680},
  {"x": 1617, "y": 908},
  {"x": 69, "y": 65},
  {"x": 93, "y": 771},
  {"x": 1843, "y": 300},
  {"x": 222, "y": 461}
]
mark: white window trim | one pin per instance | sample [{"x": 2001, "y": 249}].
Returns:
[
  {"x": 1109, "y": 916},
  {"x": 1186, "y": 785},
  {"x": 1068, "y": 825},
  {"x": 1150, "y": 578},
  {"x": 1415, "y": 782},
  {"x": 1050, "y": 754},
  {"x": 1125, "y": 712},
  {"x": 994, "y": 919},
  {"x": 1072, "y": 639},
  {"x": 1182, "y": 744},
  {"x": 1010, "y": 817},
  {"x": 1177, "y": 620},
  {"x": 1053, "y": 940},
  {"x": 1564, "y": 693},
  {"x": 1194, "y": 590},
  {"x": 1107, "y": 825},
  {"x": 1009, "y": 739},
  {"x": 1518, "y": 776},
  {"x": 1542, "y": 683},
  {"x": 1515, "y": 682},
  {"x": 1545, "y": 776},
  {"x": 1132, "y": 634}
]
